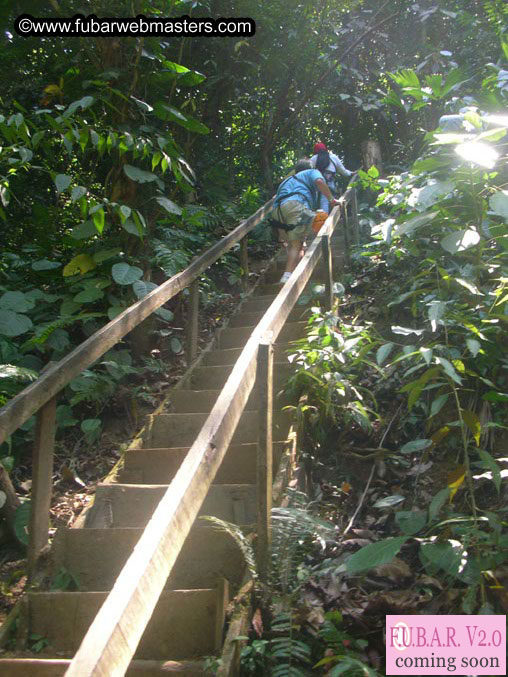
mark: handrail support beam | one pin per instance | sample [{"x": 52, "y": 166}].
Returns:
[
  {"x": 191, "y": 349},
  {"x": 328, "y": 271},
  {"x": 244, "y": 263},
  {"x": 264, "y": 378},
  {"x": 42, "y": 483}
]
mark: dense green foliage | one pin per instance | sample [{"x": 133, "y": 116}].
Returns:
[
  {"x": 439, "y": 341},
  {"x": 120, "y": 159}
]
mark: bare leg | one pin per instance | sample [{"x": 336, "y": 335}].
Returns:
[{"x": 294, "y": 254}]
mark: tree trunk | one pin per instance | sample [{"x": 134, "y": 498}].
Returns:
[
  {"x": 371, "y": 151},
  {"x": 266, "y": 165}
]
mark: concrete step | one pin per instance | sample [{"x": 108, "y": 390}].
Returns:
[
  {"x": 56, "y": 667},
  {"x": 274, "y": 275},
  {"x": 247, "y": 319},
  {"x": 255, "y": 303},
  {"x": 149, "y": 466},
  {"x": 192, "y": 401},
  {"x": 95, "y": 557},
  {"x": 237, "y": 337},
  {"x": 180, "y": 430},
  {"x": 229, "y": 356},
  {"x": 182, "y": 626},
  {"x": 132, "y": 505},
  {"x": 214, "y": 377},
  {"x": 275, "y": 288},
  {"x": 202, "y": 401}
]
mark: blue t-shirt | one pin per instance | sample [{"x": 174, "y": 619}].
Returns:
[{"x": 303, "y": 187}]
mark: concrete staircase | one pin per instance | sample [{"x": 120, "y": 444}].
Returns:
[{"x": 188, "y": 622}]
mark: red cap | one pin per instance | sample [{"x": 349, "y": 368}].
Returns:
[{"x": 318, "y": 147}]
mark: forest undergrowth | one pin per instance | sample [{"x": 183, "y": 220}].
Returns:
[{"x": 400, "y": 398}]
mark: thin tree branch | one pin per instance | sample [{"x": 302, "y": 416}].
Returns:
[
  {"x": 306, "y": 97},
  {"x": 364, "y": 494}
]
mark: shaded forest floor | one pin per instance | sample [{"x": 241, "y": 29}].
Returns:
[{"x": 361, "y": 491}]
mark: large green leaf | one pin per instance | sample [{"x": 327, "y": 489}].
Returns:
[
  {"x": 139, "y": 175},
  {"x": 133, "y": 227},
  {"x": 408, "y": 227},
  {"x": 185, "y": 77},
  {"x": 62, "y": 181},
  {"x": 166, "y": 315},
  {"x": 13, "y": 324},
  {"x": 77, "y": 193},
  {"x": 142, "y": 288},
  {"x": 449, "y": 369},
  {"x": 105, "y": 254},
  {"x": 442, "y": 555},
  {"x": 169, "y": 205},
  {"x": 84, "y": 231},
  {"x": 166, "y": 112},
  {"x": 83, "y": 103},
  {"x": 124, "y": 274},
  {"x": 411, "y": 521},
  {"x": 438, "y": 404},
  {"x": 460, "y": 240},
  {"x": 375, "y": 554},
  {"x": 17, "y": 301},
  {"x": 82, "y": 263},
  {"x": 437, "y": 502},
  {"x": 88, "y": 295},
  {"x": 44, "y": 264},
  {"x": 415, "y": 445},
  {"x": 499, "y": 203},
  {"x": 383, "y": 352},
  {"x": 433, "y": 192},
  {"x": 98, "y": 220}
]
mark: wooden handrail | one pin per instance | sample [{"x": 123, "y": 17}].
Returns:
[
  {"x": 113, "y": 636},
  {"x": 19, "y": 409}
]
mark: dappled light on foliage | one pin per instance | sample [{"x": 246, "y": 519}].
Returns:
[{"x": 121, "y": 159}]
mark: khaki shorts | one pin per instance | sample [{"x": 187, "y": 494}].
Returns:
[{"x": 295, "y": 213}]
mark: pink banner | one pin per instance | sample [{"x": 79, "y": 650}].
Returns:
[{"x": 441, "y": 645}]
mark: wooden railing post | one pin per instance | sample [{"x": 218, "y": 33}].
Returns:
[
  {"x": 345, "y": 230},
  {"x": 327, "y": 262},
  {"x": 42, "y": 483},
  {"x": 244, "y": 263},
  {"x": 264, "y": 379},
  {"x": 191, "y": 349},
  {"x": 354, "y": 217}
]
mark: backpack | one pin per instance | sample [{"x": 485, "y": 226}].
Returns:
[{"x": 277, "y": 222}]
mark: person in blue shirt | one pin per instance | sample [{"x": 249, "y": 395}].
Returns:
[{"x": 296, "y": 205}]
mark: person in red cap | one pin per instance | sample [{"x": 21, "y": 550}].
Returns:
[{"x": 329, "y": 165}]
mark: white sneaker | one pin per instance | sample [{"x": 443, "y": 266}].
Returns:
[{"x": 285, "y": 277}]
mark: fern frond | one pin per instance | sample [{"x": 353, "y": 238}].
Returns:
[
  {"x": 241, "y": 541},
  {"x": 289, "y": 653},
  {"x": 10, "y": 371}
]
